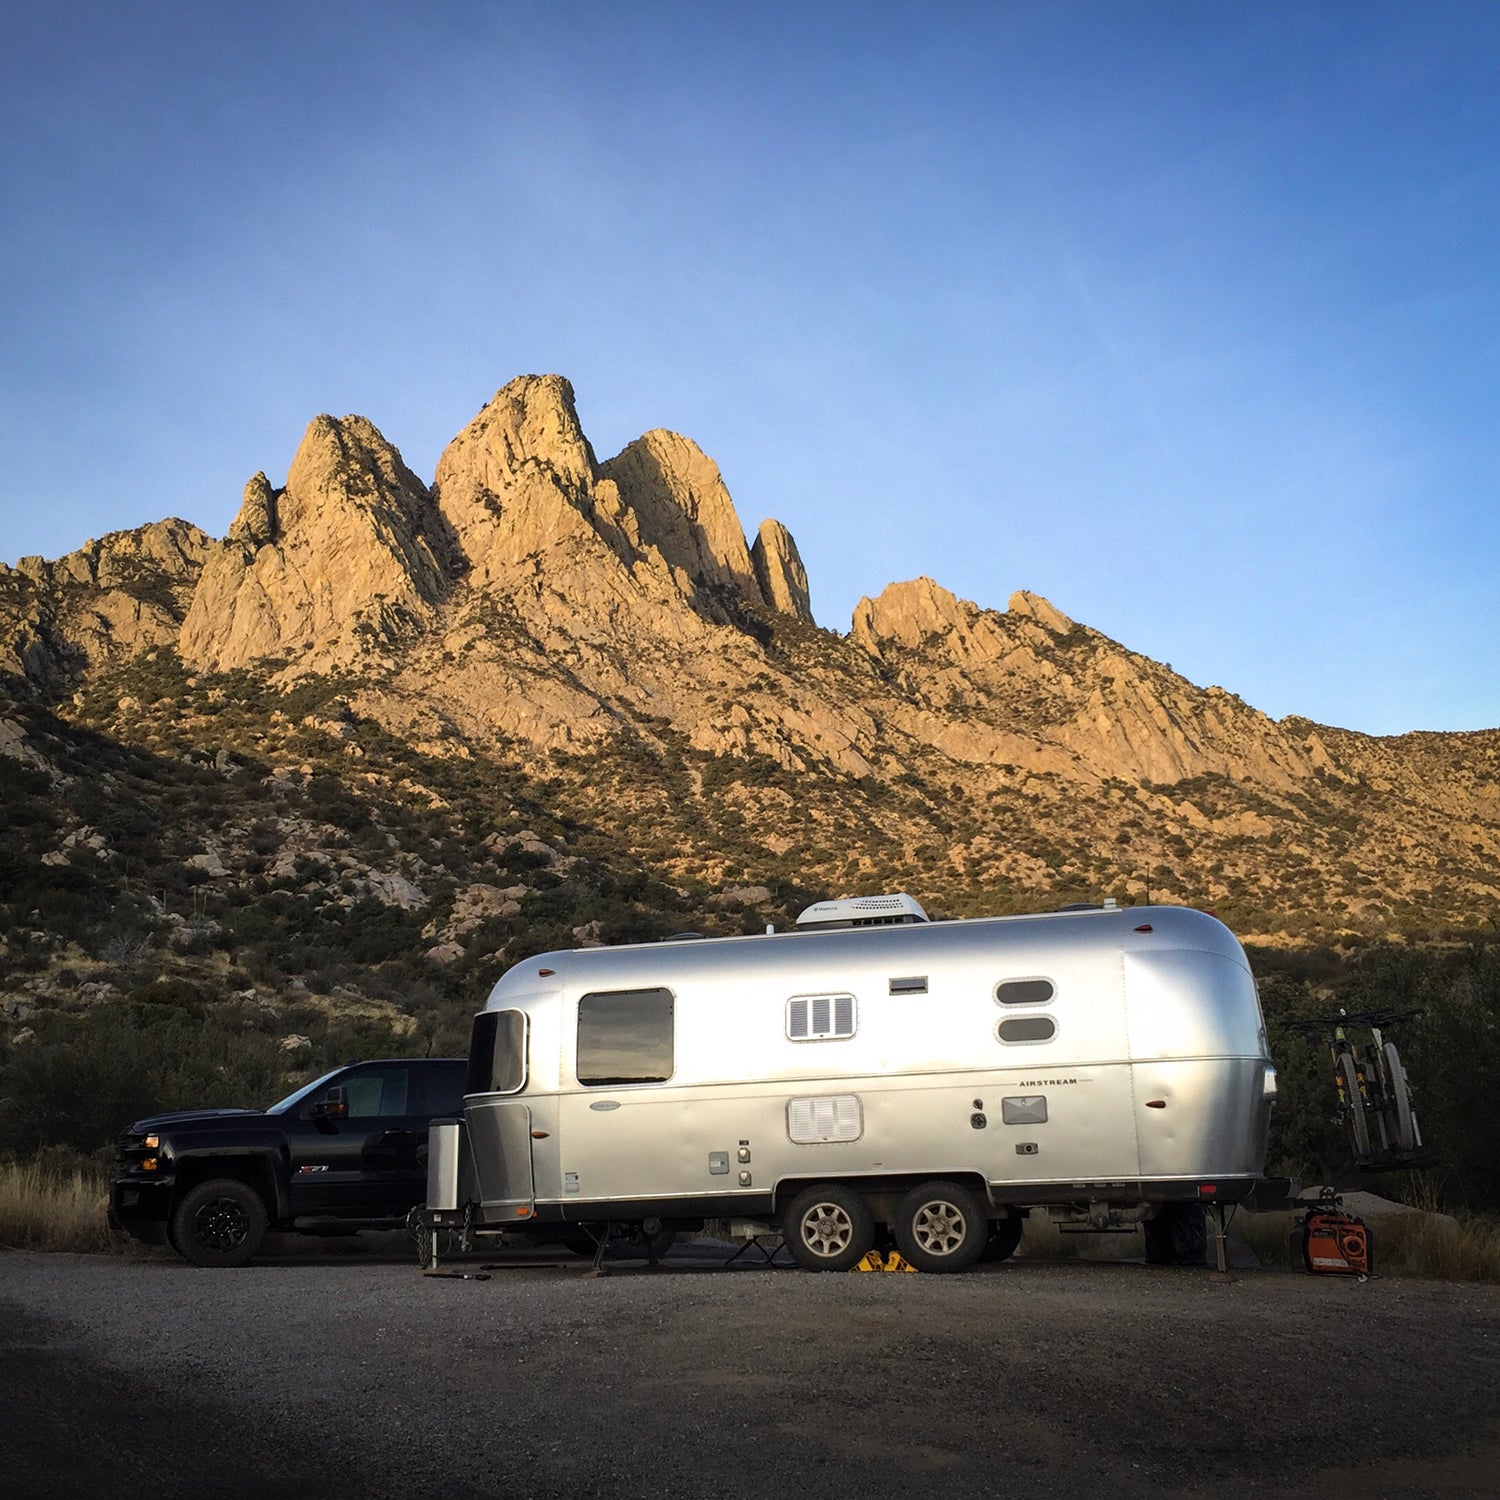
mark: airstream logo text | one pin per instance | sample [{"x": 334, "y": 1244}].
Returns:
[{"x": 1044, "y": 1083}]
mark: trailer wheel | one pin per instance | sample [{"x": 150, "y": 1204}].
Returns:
[
  {"x": 219, "y": 1223},
  {"x": 828, "y": 1228},
  {"x": 1005, "y": 1235},
  {"x": 941, "y": 1227}
]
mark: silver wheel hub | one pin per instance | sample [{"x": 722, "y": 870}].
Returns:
[
  {"x": 939, "y": 1228},
  {"x": 827, "y": 1229}
]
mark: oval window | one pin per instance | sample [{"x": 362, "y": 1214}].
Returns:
[
  {"x": 1028, "y": 1029},
  {"x": 1024, "y": 991}
]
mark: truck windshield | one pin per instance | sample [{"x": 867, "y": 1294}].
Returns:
[{"x": 282, "y": 1106}]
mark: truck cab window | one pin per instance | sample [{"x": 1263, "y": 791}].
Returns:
[
  {"x": 625, "y": 1036},
  {"x": 377, "y": 1092}
]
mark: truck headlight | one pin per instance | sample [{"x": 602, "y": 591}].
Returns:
[{"x": 152, "y": 1142}]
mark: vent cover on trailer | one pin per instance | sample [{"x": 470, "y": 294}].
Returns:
[
  {"x": 813, "y": 1018},
  {"x": 861, "y": 911},
  {"x": 833, "y": 1117}
]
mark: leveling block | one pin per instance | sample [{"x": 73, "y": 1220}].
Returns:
[{"x": 875, "y": 1261}]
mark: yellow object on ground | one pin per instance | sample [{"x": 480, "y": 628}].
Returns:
[{"x": 875, "y": 1261}]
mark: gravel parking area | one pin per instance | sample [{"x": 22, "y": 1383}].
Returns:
[{"x": 354, "y": 1375}]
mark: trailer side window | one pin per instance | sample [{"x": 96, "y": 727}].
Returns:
[
  {"x": 819, "y": 1018},
  {"x": 1024, "y": 991},
  {"x": 625, "y": 1036},
  {"x": 497, "y": 1053},
  {"x": 816, "y": 1122},
  {"x": 1027, "y": 1029}
]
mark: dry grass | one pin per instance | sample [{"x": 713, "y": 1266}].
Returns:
[
  {"x": 1424, "y": 1245},
  {"x": 47, "y": 1209},
  {"x": 1043, "y": 1240}
]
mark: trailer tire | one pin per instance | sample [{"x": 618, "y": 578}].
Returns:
[
  {"x": 220, "y": 1222},
  {"x": 828, "y": 1228},
  {"x": 941, "y": 1227},
  {"x": 1005, "y": 1236}
]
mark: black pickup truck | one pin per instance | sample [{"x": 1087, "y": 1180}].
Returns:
[{"x": 345, "y": 1152}]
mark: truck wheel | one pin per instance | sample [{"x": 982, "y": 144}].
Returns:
[
  {"x": 941, "y": 1227},
  {"x": 219, "y": 1223},
  {"x": 828, "y": 1228},
  {"x": 1005, "y": 1235}
]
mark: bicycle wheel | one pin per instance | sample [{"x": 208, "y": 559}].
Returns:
[
  {"x": 1406, "y": 1125},
  {"x": 1358, "y": 1126}
]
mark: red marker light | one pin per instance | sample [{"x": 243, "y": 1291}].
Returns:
[{"x": 1144, "y": 927}]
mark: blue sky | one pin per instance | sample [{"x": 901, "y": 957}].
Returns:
[{"x": 1181, "y": 314}]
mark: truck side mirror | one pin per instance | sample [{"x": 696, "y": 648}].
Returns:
[{"x": 334, "y": 1105}]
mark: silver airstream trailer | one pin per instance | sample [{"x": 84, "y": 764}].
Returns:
[{"x": 869, "y": 1072}]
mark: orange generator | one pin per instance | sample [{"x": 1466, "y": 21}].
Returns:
[{"x": 1334, "y": 1243}]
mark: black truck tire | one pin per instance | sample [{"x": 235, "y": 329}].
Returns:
[{"x": 221, "y": 1222}]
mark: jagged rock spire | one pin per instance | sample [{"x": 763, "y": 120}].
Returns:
[{"x": 350, "y": 553}]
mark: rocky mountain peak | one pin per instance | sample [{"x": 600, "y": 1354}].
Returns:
[
  {"x": 350, "y": 553},
  {"x": 1034, "y": 607},
  {"x": 112, "y": 598},
  {"x": 676, "y": 496},
  {"x": 914, "y": 614},
  {"x": 520, "y": 479},
  {"x": 779, "y": 571},
  {"x": 170, "y": 551}
]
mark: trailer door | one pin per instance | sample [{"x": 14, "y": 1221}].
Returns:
[{"x": 499, "y": 1122}]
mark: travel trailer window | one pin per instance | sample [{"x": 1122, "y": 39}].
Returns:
[
  {"x": 1028, "y": 1029},
  {"x": 819, "y": 1018},
  {"x": 625, "y": 1036},
  {"x": 497, "y": 1053},
  {"x": 1024, "y": 991}
]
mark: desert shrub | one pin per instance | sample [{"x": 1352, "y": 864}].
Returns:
[
  {"x": 84, "y": 1077},
  {"x": 44, "y": 1207}
]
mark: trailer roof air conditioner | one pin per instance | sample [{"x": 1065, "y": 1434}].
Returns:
[{"x": 861, "y": 911}]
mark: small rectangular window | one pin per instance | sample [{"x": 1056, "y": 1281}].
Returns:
[
  {"x": 835, "y": 1117},
  {"x": 819, "y": 1018},
  {"x": 1024, "y": 991},
  {"x": 913, "y": 984},
  {"x": 1027, "y": 1029},
  {"x": 625, "y": 1036}
]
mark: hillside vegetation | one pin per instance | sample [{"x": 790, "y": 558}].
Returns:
[{"x": 305, "y": 792}]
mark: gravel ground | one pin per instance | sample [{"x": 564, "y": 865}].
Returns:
[{"x": 353, "y": 1375}]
